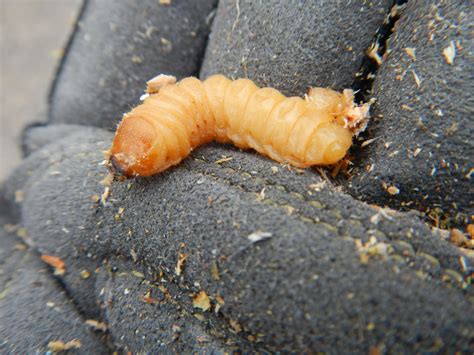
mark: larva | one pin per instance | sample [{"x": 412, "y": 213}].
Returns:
[{"x": 177, "y": 117}]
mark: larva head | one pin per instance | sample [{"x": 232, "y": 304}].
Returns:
[
  {"x": 328, "y": 100},
  {"x": 341, "y": 106},
  {"x": 132, "y": 147},
  {"x": 355, "y": 116},
  {"x": 328, "y": 145}
]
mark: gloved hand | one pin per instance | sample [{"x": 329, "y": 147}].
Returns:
[{"x": 244, "y": 253}]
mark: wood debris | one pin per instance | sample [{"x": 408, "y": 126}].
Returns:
[
  {"x": 274, "y": 169},
  {"x": 220, "y": 302},
  {"x": 318, "y": 186},
  {"x": 119, "y": 213},
  {"x": 154, "y": 85},
  {"x": 368, "y": 141},
  {"x": 148, "y": 299},
  {"x": 215, "y": 271},
  {"x": 223, "y": 160},
  {"x": 393, "y": 190},
  {"x": 410, "y": 52},
  {"x": 105, "y": 195},
  {"x": 235, "y": 326},
  {"x": 182, "y": 257},
  {"x": 372, "y": 248},
  {"x": 164, "y": 2},
  {"x": 138, "y": 274},
  {"x": 165, "y": 292},
  {"x": 261, "y": 195},
  {"x": 202, "y": 301},
  {"x": 136, "y": 59},
  {"x": 452, "y": 129},
  {"x": 101, "y": 326},
  {"x": 107, "y": 181},
  {"x": 449, "y": 53},
  {"x": 259, "y": 236},
  {"x": 417, "y": 78},
  {"x": 19, "y": 196},
  {"x": 374, "y": 54},
  {"x": 56, "y": 262},
  {"x": 85, "y": 274},
  {"x": 58, "y": 345},
  {"x": 134, "y": 255}
]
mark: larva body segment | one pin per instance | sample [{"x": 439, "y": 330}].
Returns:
[
  {"x": 177, "y": 117},
  {"x": 216, "y": 88}
]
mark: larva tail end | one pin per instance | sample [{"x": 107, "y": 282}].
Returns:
[{"x": 328, "y": 145}]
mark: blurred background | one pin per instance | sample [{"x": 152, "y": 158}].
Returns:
[{"x": 33, "y": 34}]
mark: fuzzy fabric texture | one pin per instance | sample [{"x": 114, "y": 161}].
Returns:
[{"x": 242, "y": 253}]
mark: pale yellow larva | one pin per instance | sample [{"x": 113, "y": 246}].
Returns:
[{"x": 177, "y": 117}]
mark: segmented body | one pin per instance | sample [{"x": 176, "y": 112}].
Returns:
[{"x": 181, "y": 116}]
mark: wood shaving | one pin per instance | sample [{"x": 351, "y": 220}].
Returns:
[
  {"x": 223, "y": 160},
  {"x": 136, "y": 59},
  {"x": 368, "y": 141},
  {"x": 235, "y": 326},
  {"x": 202, "y": 301},
  {"x": 373, "y": 53},
  {"x": 220, "y": 302},
  {"x": 393, "y": 190},
  {"x": 289, "y": 210},
  {"x": 154, "y": 85},
  {"x": 19, "y": 196},
  {"x": 107, "y": 181},
  {"x": 133, "y": 253},
  {"x": 22, "y": 233},
  {"x": 56, "y": 262},
  {"x": 180, "y": 264},
  {"x": 167, "y": 46},
  {"x": 215, "y": 271},
  {"x": 138, "y": 274},
  {"x": 148, "y": 299},
  {"x": 164, "y": 2},
  {"x": 105, "y": 195},
  {"x": 452, "y": 129},
  {"x": 372, "y": 248},
  {"x": 259, "y": 236},
  {"x": 449, "y": 53},
  {"x": 119, "y": 213},
  {"x": 101, "y": 326},
  {"x": 58, "y": 345},
  {"x": 410, "y": 52},
  {"x": 318, "y": 186},
  {"x": 417, "y": 79}
]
